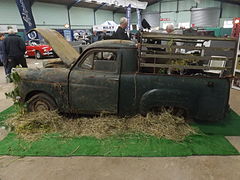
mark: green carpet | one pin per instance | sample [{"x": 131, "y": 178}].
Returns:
[
  {"x": 140, "y": 145},
  {"x": 126, "y": 145},
  {"x": 229, "y": 126},
  {"x": 7, "y": 113}
]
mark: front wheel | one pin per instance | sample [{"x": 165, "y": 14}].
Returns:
[
  {"x": 38, "y": 55},
  {"x": 41, "y": 102}
]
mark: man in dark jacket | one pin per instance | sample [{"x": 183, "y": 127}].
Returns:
[
  {"x": 120, "y": 33},
  {"x": 15, "y": 49},
  {"x": 94, "y": 37},
  {"x": 2, "y": 52},
  {"x": 2, "y": 49}
]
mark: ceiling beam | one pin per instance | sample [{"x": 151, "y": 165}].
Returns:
[
  {"x": 231, "y": 1},
  {"x": 118, "y": 10},
  {"x": 74, "y": 3},
  {"x": 100, "y": 6}
]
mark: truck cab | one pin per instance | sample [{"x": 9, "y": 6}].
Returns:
[{"x": 94, "y": 80}]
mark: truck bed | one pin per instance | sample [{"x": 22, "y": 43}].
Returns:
[{"x": 204, "y": 98}]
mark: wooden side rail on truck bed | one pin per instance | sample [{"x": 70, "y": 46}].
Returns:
[{"x": 187, "y": 55}]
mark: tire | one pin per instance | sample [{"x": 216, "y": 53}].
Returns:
[
  {"x": 41, "y": 102},
  {"x": 55, "y": 55},
  {"x": 176, "y": 111},
  {"x": 38, "y": 55}
]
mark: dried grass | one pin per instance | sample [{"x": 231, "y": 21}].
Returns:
[{"x": 32, "y": 126}]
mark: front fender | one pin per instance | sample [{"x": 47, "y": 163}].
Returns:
[
  {"x": 165, "y": 97},
  {"x": 53, "y": 82}
]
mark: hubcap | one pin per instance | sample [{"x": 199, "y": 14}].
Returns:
[{"x": 38, "y": 55}]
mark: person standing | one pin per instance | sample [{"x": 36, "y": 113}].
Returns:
[
  {"x": 94, "y": 37},
  {"x": 15, "y": 49},
  {"x": 2, "y": 52},
  {"x": 170, "y": 29},
  {"x": 121, "y": 33}
]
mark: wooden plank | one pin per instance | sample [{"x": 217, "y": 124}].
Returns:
[
  {"x": 182, "y": 66},
  {"x": 178, "y": 40},
  {"x": 177, "y": 36},
  {"x": 186, "y": 47},
  {"x": 184, "y": 57},
  {"x": 154, "y": 52}
]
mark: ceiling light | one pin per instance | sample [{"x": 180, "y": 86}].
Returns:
[{"x": 66, "y": 25}]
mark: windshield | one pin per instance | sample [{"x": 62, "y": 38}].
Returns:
[{"x": 37, "y": 42}]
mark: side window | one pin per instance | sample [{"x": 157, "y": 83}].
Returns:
[
  {"x": 105, "y": 56},
  {"x": 88, "y": 62},
  {"x": 100, "y": 61}
]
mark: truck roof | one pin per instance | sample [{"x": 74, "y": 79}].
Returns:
[{"x": 116, "y": 43}]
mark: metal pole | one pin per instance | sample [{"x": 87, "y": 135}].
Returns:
[
  {"x": 69, "y": 19},
  {"x": 128, "y": 15},
  {"x": 139, "y": 19},
  {"x": 94, "y": 17},
  {"x": 160, "y": 7},
  {"x": 177, "y": 6}
]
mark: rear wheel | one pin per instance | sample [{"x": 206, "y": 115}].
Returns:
[
  {"x": 176, "y": 111},
  {"x": 41, "y": 102},
  {"x": 38, "y": 55}
]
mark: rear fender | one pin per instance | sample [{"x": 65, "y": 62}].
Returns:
[{"x": 165, "y": 97}]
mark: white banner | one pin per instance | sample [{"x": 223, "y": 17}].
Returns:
[
  {"x": 106, "y": 26},
  {"x": 124, "y": 3}
]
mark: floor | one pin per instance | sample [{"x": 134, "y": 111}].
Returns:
[{"x": 91, "y": 168}]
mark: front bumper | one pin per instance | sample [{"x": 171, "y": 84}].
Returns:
[{"x": 48, "y": 53}]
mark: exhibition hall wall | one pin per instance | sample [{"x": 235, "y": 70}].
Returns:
[
  {"x": 55, "y": 16},
  {"x": 176, "y": 12}
]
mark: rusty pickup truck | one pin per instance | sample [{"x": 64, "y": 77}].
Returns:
[{"x": 118, "y": 77}]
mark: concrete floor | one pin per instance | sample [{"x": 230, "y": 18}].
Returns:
[
  {"x": 235, "y": 100},
  {"x": 99, "y": 168},
  {"x": 91, "y": 168}
]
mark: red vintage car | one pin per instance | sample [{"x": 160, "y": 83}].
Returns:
[{"x": 38, "y": 50}]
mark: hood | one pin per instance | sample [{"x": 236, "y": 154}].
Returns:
[
  {"x": 44, "y": 46},
  {"x": 54, "y": 75},
  {"x": 60, "y": 46}
]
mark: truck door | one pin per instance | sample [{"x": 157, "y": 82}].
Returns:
[{"x": 94, "y": 82}]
